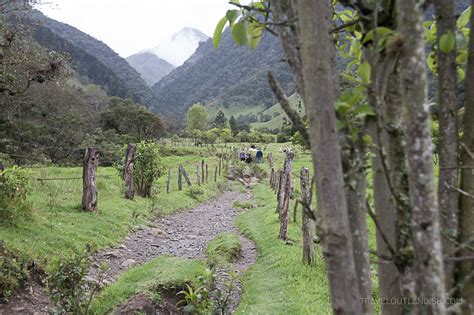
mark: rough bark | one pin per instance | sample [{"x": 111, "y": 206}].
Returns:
[
  {"x": 128, "y": 172},
  {"x": 285, "y": 196},
  {"x": 466, "y": 215},
  {"x": 168, "y": 182},
  {"x": 180, "y": 179},
  {"x": 198, "y": 176},
  {"x": 448, "y": 131},
  {"x": 354, "y": 163},
  {"x": 423, "y": 197},
  {"x": 308, "y": 223},
  {"x": 279, "y": 191},
  {"x": 272, "y": 174},
  {"x": 334, "y": 229},
  {"x": 89, "y": 186}
]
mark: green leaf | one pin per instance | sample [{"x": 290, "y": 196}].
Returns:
[
  {"x": 239, "y": 33},
  {"x": 365, "y": 109},
  {"x": 447, "y": 42},
  {"x": 367, "y": 139},
  {"x": 254, "y": 35},
  {"x": 218, "y": 32},
  {"x": 340, "y": 124},
  {"x": 463, "y": 19},
  {"x": 232, "y": 15},
  {"x": 364, "y": 72},
  {"x": 350, "y": 78},
  {"x": 461, "y": 74}
]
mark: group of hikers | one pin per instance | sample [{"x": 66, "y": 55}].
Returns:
[{"x": 246, "y": 155}]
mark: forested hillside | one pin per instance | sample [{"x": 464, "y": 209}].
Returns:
[
  {"x": 232, "y": 75},
  {"x": 93, "y": 59}
]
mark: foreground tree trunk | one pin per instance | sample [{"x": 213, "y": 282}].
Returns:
[
  {"x": 89, "y": 186},
  {"x": 423, "y": 198},
  {"x": 334, "y": 231},
  {"x": 466, "y": 215},
  {"x": 354, "y": 164},
  {"x": 448, "y": 131}
]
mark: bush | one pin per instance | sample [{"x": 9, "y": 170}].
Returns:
[
  {"x": 147, "y": 167},
  {"x": 14, "y": 185},
  {"x": 13, "y": 272},
  {"x": 196, "y": 192}
]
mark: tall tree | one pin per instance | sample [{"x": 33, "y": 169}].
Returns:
[
  {"x": 197, "y": 118},
  {"x": 466, "y": 215},
  {"x": 448, "y": 130},
  {"x": 319, "y": 97},
  {"x": 220, "y": 121},
  {"x": 423, "y": 198}
]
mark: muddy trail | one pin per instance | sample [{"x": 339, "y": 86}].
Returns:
[{"x": 184, "y": 234}]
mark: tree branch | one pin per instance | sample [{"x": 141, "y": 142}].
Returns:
[
  {"x": 285, "y": 105},
  {"x": 342, "y": 27}
]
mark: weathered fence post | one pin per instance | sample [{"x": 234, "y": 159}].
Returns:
[
  {"x": 186, "y": 177},
  {"x": 215, "y": 175},
  {"x": 207, "y": 173},
  {"x": 202, "y": 171},
  {"x": 89, "y": 185},
  {"x": 168, "y": 183},
  {"x": 220, "y": 165},
  {"x": 285, "y": 196},
  {"x": 198, "y": 177},
  {"x": 128, "y": 172},
  {"x": 272, "y": 174},
  {"x": 308, "y": 223},
  {"x": 270, "y": 159},
  {"x": 180, "y": 179}
]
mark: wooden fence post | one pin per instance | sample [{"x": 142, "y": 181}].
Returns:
[
  {"x": 285, "y": 196},
  {"x": 207, "y": 173},
  {"x": 180, "y": 179},
  {"x": 202, "y": 171},
  {"x": 168, "y": 183},
  {"x": 220, "y": 165},
  {"x": 308, "y": 223},
  {"x": 128, "y": 172},
  {"x": 89, "y": 185},
  {"x": 272, "y": 174},
  {"x": 215, "y": 174},
  {"x": 270, "y": 159},
  {"x": 186, "y": 177},
  {"x": 198, "y": 177}
]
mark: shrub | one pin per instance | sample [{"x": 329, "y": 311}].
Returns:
[
  {"x": 196, "y": 192},
  {"x": 147, "y": 167},
  {"x": 14, "y": 186},
  {"x": 68, "y": 287},
  {"x": 13, "y": 272}
]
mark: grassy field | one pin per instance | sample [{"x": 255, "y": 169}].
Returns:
[{"x": 58, "y": 227}]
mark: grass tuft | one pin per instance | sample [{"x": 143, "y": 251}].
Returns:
[{"x": 223, "y": 249}]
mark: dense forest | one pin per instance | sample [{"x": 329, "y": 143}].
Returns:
[{"x": 230, "y": 76}]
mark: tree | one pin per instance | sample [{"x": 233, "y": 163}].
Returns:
[
  {"x": 233, "y": 126},
  {"x": 220, "y": 121},
  {"x": 197, "y": 118}
]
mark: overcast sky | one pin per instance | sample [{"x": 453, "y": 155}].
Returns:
[{"x": 129, "y": 26}]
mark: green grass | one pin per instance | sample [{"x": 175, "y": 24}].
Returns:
[
  {"x": 278, "y": 115},
  {"x": 59, "y": 228},
  {"x": 279, "y": 283},
  {"x": 223, "y": 249},
  {"x": 161, "y": 272}
]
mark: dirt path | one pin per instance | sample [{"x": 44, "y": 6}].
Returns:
[{"x": 185, "y": 234}]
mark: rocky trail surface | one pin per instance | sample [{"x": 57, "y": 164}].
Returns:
[{"x": 184, "y": 234}]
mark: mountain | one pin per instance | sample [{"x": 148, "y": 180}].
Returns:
[
  {"x": 231, "y": 76},
  {"x": 92, "y": 59},
  {"x": 179, "y": 47},
  {"x": 151, "y": 67}
]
